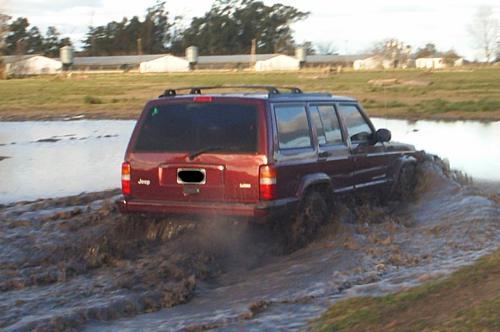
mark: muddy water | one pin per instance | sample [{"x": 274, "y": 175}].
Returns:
[
  {"x": 470, "y": 146},
  {"x": 60, "y": 158},
  {"x": 76, "y": 263},
  {"x": 375, "y": 250}
]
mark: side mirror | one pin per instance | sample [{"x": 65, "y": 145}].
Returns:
[{"x": 383, "y": 135}]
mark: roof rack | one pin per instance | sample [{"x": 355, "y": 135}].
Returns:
[{"x": 197, "y": 90}]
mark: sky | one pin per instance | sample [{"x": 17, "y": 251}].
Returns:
[{"x": 351, "y": 26}]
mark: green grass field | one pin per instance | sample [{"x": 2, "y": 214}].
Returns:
[
  {"x": 468, "y": 300},
  {"x": 467, "y": 94}
]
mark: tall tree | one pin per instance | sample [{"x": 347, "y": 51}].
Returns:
[
  {"x": 156, "y": 28},
  {"x": 484, "y": 29},
  {"x": 428, "y": 51},
  {"x": 131, "y": 36},
  {"x": 34, "y": 42},
  {"x": 230, "y": 26},
  {"x": 51, "y": 42},
  {"x": 17, "y": 37}
]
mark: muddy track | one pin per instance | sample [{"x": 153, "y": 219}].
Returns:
[{"x": 75, "y": 262}]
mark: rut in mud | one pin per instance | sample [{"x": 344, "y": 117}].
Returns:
[{"x": 69, "y": 262}]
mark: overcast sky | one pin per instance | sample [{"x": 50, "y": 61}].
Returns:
[{"x": 351, "y": 25}]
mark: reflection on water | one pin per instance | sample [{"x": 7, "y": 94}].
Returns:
[
  {"x": 470, "y": 146},
  {"x": 59, "y": 158}
]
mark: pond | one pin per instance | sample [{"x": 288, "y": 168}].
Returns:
[{"x": 60, "y": 158}]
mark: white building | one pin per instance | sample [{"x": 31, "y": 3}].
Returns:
[
  {"x": 430, "y": 63},
  {"x": 458, "y": 62},
  {"x": 31, "y": 65},
  {"x": 278, "y": 63},
  {"x": 377, "y": 62},
  {"x": 370, "y": 63},
  {"x": 164, "y": 64}
]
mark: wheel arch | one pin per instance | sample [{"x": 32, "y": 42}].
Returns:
[{"x": 319, "y": 181}]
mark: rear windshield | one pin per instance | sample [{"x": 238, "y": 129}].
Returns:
[{"x": 191, "y": 127}]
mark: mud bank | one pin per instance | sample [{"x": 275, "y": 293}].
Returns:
[{"x": 75, "y": 263}]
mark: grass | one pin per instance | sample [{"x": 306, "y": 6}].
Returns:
[
  {"x": 471, "y": 94},
  {"x": 92, "y": 100},
  {"x": 441, "y": 106},
  {"x": 468, "y": 300}
]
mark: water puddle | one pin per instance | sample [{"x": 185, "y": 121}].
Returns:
[
  {"x": 59, "y": 158},
  {"x": 470, "y": 146}
]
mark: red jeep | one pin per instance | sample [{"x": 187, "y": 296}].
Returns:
[{"x": 257, "y": 154}]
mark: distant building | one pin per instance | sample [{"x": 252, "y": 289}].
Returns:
[
  {"x": 278, "y": 63},
  {"x": 118, "y": 62},
  {"x": 430, "y": 63},
  {"x": 235, "y": 61},
  {"x": 25, "y": 65},
  {"x": 164, "y": 64},
  {"x": 158, "y": 63},
  {"x": 373, "y": 63},
  {"x": 322, "y": 60},
  {"x": 458, "y": 62}
]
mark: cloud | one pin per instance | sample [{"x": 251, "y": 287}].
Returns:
[{"x": 37, "y": 6}]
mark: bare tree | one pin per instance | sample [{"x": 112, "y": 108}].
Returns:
[
  {"x": 3, "y": 31},
  {"x": 484, "y": 31},
  {"x": 326, "y": 48}
]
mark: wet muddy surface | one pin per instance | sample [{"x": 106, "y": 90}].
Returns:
[{"x": 76, "y": 263}]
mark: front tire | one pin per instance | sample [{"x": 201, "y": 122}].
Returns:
[{"x": 407, "y": 181}]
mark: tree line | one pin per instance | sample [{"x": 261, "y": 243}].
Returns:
[
  {"x": 20, "y": 39},
  {"x": 229, "y": 27}
]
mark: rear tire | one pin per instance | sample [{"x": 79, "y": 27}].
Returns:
[{"x": 312, "y": 213}]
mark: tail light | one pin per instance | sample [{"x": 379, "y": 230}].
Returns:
[
  {"x": 267, "y": 183},
  {"x": 126, "y": 190}
]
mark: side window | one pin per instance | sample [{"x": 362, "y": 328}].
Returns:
[
  {"x": 293, "y": 127},
  {"x": 357, "y": 127},
  {"x": 318, "y": 123},
  {"x": 331, "y": 124}
]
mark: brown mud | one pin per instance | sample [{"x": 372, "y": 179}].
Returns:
[{"x": 75, "y": 262}]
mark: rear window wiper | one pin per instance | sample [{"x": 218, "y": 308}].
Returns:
[{"x": 195, "y": 154}]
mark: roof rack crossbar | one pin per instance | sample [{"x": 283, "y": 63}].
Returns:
[{"x": 271, "y": 90}]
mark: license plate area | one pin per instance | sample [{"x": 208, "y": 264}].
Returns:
[{"x": 190, "y": 176}]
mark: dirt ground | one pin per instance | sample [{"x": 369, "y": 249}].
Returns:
[{"x": 75, "y": 263}]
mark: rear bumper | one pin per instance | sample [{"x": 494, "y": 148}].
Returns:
[{"x": 261, "y": 211}]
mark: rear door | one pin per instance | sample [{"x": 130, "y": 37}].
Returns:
[
  {"x": 333, "y": 153},
  {"x": 296, "y": 155},
  {"x": 208, "y": 151},
  {"x": 370, "y": 164}
]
